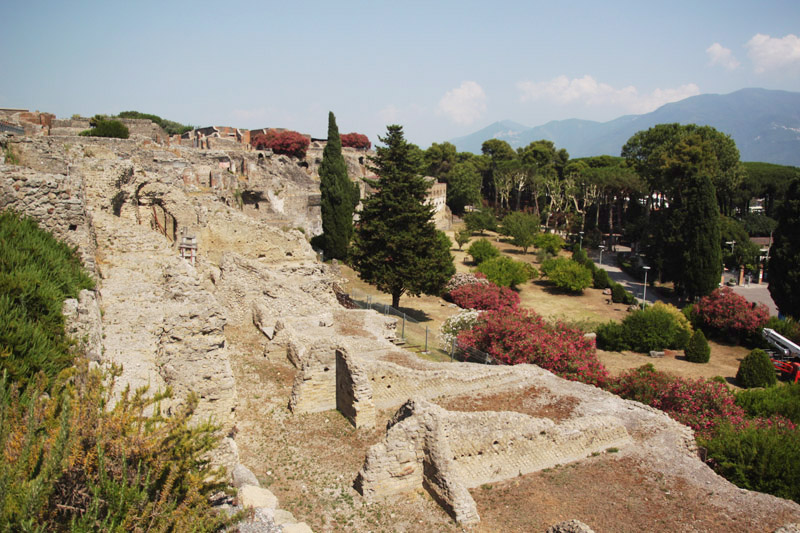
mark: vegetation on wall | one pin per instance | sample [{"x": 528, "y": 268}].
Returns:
[
  {"x": 169, "y": 126},
  {"x": 106, "y": 127}
]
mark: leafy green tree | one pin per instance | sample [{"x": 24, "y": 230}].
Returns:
[
  {"x": 784, "y": 260},
  {"x": 506, "y": 272},
  {"x": 463, "y": 237},
  {"x": 522, "y": 228},
  {"x": 439, "y": 160},
  {"x": 339, "y": 196},
  {"x": 463, "y": 187},
  {"x": 480, "y": 220},
  {"x": 482, "y": 250},
  {"x": 396, "y": 245}
]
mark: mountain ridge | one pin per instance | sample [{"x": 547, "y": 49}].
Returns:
[{"x": 764, "y": 123}]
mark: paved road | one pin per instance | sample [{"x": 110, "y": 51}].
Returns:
[{"x": 753, "y": 292}]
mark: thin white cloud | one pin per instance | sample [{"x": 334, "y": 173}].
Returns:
[
  {"x": 591, "y": 93},
  {"x": 719, "y": 55},
  {"x": 771, "y": 53},
  {"x": 464, "y": 104},
  {"x": 389, "y": 114}
]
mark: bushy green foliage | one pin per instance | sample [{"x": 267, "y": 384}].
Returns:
[
  {"x": 506, "y": 272},
  {"x": 68, "y": 463},
  {"x": 783, "y": 401},
  {"x": 482, "y": 250},
  {"x": 463, "y": 237},
  {"x": 480, "y": 220},
  {"x": 37, "y": 273},
  {"x": 698, "y": 350},
  {"x": 757, "y": 457},
  {"x": 549, "y": 242},
  {"x": 600, "y": 279},
  {"x": 169, "y": 126},
  {"x": 756, "y": 370},
  {"x": 619, "y": 295},
  {"x": 787, "y": 326},
  {"x": 567, "y": 275},
  {"x": 644, "y": 330},
  {"x": 104, "y": 127},
  {"x": 523, "y": 228},
  {"x": 579, "y": 255}
]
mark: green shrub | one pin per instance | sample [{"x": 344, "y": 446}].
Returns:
[
  {"x": 600, "y": 279},
  {"x": 619, "y": 295},
  {"x": 756, "y": 370},
  {"x": 766, "y": 459},
  {"x": 567, "y": 275},
  {"x": 37, "y": 273},
  {"x": 103, "y": 127},
  {"x": 70, "y": 463},
  {"x": 549, "y": 242},
  {"x": 652, "y": 328},
  {"x": 611, "y": 336},
  {"x": 481, "y": 250},
  {"x": 698, "y": 350},
  {"x": 506, "y": 272},
  {"x": 784, "y": 401},
  {"x": 579, "y": 256}
]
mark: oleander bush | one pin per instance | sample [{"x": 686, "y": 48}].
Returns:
[
  {"x": 514, "y": 336},
  {"x": 460, "y": 279},
  {"x": 355, "y": 140},
  {"x": 484, "y": 297},
  {"x": 285, "y": 142},
  {"x": 730, "y": 316}
]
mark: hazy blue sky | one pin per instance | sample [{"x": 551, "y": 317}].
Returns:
[{"x": 441, "y": 69}]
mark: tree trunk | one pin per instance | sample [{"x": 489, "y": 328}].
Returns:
[{"x": 396, "y": 299}]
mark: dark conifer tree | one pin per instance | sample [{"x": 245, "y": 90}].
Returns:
[
  {"x": 784, "y": 260},
  {"x": 702, "y": 255},
  {"x": 339, "y": 196},
  {"x": 396, "y": 245}
]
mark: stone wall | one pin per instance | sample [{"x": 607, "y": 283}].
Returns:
[
  {"x": 449, "y": 452},
  {"x": 55, "y": 201}
]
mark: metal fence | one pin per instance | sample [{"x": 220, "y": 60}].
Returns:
[{"x": 417, "y": 335}]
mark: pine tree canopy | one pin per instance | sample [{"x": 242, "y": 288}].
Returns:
[{"x": 397, "y": 246}]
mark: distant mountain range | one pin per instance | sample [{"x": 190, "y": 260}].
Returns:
[{"x": 764, "y": 123}]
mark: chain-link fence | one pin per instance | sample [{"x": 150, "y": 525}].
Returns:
[{"x": 409, "y": 330}]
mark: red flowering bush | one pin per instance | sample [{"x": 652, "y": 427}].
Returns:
[
  {"x": 282, "y": 142},
  {"x": 355, "y": 140},
  {"x": 730, "y": 314},
  {"x": 700, "y": 404},
  {"x": 484, "y": 296},
  {"x": 514, "y": 336}
]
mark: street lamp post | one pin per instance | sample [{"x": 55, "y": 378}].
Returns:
[
  {"x": 602, "y": 247},
  {"x": 580, "y": 245},
  {"x": 644, "y": 289}
]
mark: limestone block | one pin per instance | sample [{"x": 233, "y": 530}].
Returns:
[
  {"x": 241, "y": 475},
  {"x": 300, "y": 527},
  {"x": 283, "y": 518},
  {"x": 250, "y": 496},
  {"x": 570, "y": 526}
]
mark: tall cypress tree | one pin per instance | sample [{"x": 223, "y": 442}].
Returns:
[
  {"x": 784, "y": 260},
  {"x": 702, "y": 264},
  {"x": 396, "y": 244},
  {"x": 339, "y": 196}
]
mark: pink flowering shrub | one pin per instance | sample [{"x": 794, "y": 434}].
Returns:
[
  {"x": 700, "y": 404},
  {"x": 513, "y": 336},
  {"x": 459, "y": 279},
  {"x": 355, "y": 140},
  {"x": 484, "y": 296},
  {"x": 730, "y": 314}
]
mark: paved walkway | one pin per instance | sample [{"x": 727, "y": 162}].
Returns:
[{"x": 753, "y": 292}]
